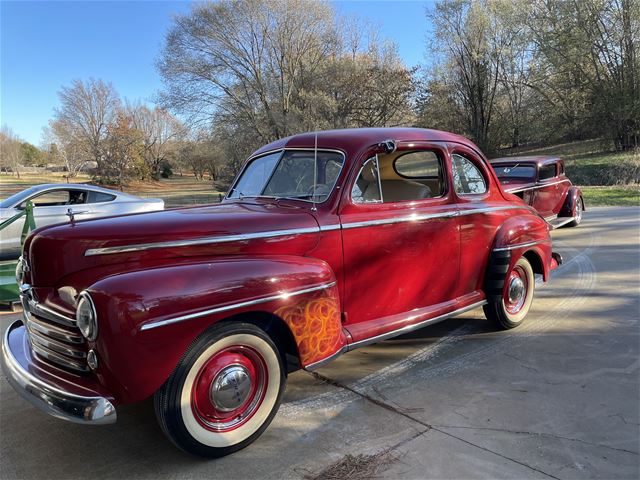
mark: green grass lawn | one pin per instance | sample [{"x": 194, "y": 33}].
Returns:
[{"x": 611, "y": 196}]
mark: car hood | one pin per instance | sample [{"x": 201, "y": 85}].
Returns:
[{"x": 147, "y": 239}]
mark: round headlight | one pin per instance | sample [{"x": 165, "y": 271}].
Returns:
[{"x": 86, "y": 317}]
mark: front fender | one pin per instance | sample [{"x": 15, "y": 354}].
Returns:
[
  {"x": 149, "y": 318},
  {"x": 574, "y": 194}
]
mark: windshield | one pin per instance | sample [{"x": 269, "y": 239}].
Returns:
[
  {"x": 18, "y": 198},
  {"x": 515, "y": 171},
  {"x": 290, "y": 174}
]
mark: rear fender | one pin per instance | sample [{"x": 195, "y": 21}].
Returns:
[
  {"x": 523, "y": 235},
  {"x": 574, "y": 194},
  {"x": 149, "y": 318}
]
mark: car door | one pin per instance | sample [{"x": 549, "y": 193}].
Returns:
[
  {"x": 53, "y": 206},
  {"x": 400, "y": 240},
  {"x": 547, "y": 191}
]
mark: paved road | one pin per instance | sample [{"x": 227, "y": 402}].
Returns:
[{"x": 557, "y": 397}]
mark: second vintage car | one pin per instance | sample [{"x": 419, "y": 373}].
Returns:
[
  {"x": 326, "y": 242},
  {"x": 542, "y": 183}
]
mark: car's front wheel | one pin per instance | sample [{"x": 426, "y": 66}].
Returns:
[
  {"x": 224, "y": 392},
  {"x": 577, "y": 217},
  {"x": 517, "y": 295}
]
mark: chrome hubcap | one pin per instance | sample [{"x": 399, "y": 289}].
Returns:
[
  {"x": 516, "y": 291},
  {"x": 231, "y": 388}
]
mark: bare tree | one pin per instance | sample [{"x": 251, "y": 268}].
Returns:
[
  {"x": 245, "y": 58},
  {"x": 69, "y": 146},
  {"x": 161, "y": 133},
  {"x": 86, "y": 109},
  {"x": 10, "y": 150}
]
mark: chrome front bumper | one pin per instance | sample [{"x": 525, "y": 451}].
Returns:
[{"x": 45, "y": 393}]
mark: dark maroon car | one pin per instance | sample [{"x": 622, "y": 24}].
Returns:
[{"x": 542, "y": 183}]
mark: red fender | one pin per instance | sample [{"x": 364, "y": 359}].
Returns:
[
  {"x": 569, "y": 208},
  {"x": 148, "y": 318}
]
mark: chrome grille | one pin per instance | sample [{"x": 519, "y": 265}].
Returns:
[{"x": 54, "y": 337}]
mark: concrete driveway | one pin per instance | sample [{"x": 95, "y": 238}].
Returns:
[{"x": 557, "y": 397}]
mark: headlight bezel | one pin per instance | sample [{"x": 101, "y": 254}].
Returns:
[{"x": 88, "y": 326}]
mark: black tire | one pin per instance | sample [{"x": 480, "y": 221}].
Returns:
[
  {"x": 242, "y": 364},
  {"x": 578, "y": 216},
  {"x": 504, "y": 312}
]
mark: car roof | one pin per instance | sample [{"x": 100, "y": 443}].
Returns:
[
  {"x": 352, "y": 140},
  {"x": 537, "y": 159},
  {"x": 75, "y": 186}
]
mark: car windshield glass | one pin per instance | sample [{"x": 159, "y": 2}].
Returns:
[
  {"x": 524, "y": 172},
  {"x": 290, "y": 174},
  {"x": 17, "y": 198}
]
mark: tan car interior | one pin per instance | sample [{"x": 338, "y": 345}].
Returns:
[{"x": 395, "y": 188}]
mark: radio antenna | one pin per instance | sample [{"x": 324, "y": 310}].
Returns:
[{"x": 315, "y": 172}]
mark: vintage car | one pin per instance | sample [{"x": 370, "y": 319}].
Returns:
[
  {"x": 58, "y": 202},
  {"x": 325, "y": 242},
  {"x": 542, "y": 183}
]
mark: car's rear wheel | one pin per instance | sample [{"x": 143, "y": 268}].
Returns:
[
  {"x": 224, "y": 392},
  {"x": 577, "y": 217},
  {"x": 512, "y": 307}
]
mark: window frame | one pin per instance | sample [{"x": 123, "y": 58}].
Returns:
[
  {"x": 442, "y": 173},
  {"x": 282, "y": 151},
  {"x": 355, "y": 182},
  {"x": 481, "y": 170}
]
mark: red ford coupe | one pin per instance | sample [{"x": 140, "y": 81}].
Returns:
[
  {"x": 325, "y": 242},
  {"x": 542, "y": 183}
]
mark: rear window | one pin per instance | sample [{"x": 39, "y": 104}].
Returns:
[{"x": 515, "y": 171}]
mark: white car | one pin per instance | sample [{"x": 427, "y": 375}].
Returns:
[{"x": 62, "y": 202}]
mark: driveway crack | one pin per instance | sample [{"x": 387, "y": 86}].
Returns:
[{"x": 427, "y": 426}]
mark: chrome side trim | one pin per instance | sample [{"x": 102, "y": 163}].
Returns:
[
  {"x": 521, "y": 245},
  {"x": 535, "y": 187},
  {"x": 233, "y": 306},
  {"x": 320, "y": 363},
  {"x": 293, "y": 231},
  {"x": 328, "y": 228},
  {"x": 94, "y": 410},
  {"x": 416, "y": 326},
  {"x": 199, "y": 241}
]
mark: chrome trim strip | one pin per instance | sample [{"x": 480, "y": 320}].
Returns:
[
  {"x": 56, "y": 358},
  {"x": 31, "y": 306},
  {"x": 95, "y": 410},
  {"x": 320, "y": 363},
  {"x": 521, "y": 245},
  {"x": 52, "y": 331},
  {"x": 293, "y": 231},
  {"x": 55, "y": 346},
  {"x": 199, "y": 241},
  {"x": 535, "y": 187},
  {"x": 415, "y": 326},
  {"x": 564, "y": 221},
  {"x": 328, "y": 228},
  {"x": 233, "y": 306}
]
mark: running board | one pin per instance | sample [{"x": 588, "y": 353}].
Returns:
[
  {"x": 393, "y": 333},
  {"x": 559, "y": 221}
]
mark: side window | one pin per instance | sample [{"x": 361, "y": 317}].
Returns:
[
  {"x": 547, "y": 171},
  {"x": 467, "y": 178},
  {"x": 99, "y": 197},
  {"x": 50, "y": 199},
  {"x": 366, "y": 189},
  {"x": 425, "y": 168}
]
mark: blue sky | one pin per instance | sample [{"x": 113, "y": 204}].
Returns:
[{"x": 45, "y": 45}]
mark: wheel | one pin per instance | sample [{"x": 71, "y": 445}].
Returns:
[
  {"x": 224, "y": 392},
  {"x": 511, "y": 309},
  {"x": 577, "y": 218}
]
